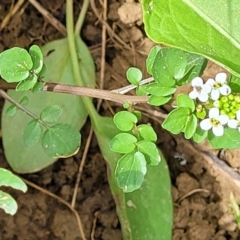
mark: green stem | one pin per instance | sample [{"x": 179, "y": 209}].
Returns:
[
  {"x": 74, "y": 58},
  {"x": 81, "y": 17}
]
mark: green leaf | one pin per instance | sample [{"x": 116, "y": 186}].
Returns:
[
  {"x": 123, "y": 143},
  {"x": 37, "y": 58},
  {"x": 138, "y": 114},
  {"x": 15, "y": 64},
  {"x": 151, "y": 58},
  {"x": 176, "y": 120},
  {"x": 130, "y": 171},
  {"x": 234, "y": 84},
  {"x": 59, "y": 69},
  {"x": 10, "y": 180},
  {"x": 150, "y": 151},
  {"x": 229, "y": 140},
  {"x": 7, "y": 203},
  {"x": 134, "y": 75},
  {"x": 38, "y": 87},
  {"x": 51, "y": 114},
  {"x": 188, "y": 24},
  {"x": 61, "y": 140},
  {"x": 169, "y": 66},
  {"x": 11, "y": 110},
  {"x": 24, "y": 100},
  {"x": 191, "y": 126},
  {"x": 184, "y": 100},
  {"x": 199, "y": 135},
  {"x": 32, "y": 133},
  {"x": 148, "y": 212},
  {"x": 125, "y": 120},
  {"x": 147, "y": 132},
  {"x": 27, "y": 84},
  {"x": 158, "y": 101},
  {"x": 196, "y": 64},
  {"x": 159, "y": 90},
  {"x": 42, "y": 73}
]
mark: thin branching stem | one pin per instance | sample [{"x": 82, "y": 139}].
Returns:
[{"x": 22, "y": 108}]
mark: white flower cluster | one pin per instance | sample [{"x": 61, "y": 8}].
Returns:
[{"x": 212, "y": 90}]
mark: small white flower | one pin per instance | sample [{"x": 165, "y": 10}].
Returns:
[
  {"x": 215, "y": 121},
  {"x": 218, "y": 86},
  {"x": 235, "y": 123},
  {"x": 200, "y": 90}
]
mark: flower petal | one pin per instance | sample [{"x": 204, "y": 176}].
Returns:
[
  {"x": 225, "y": 90},
  {"x": 206, "y": 124},
  {"x": 207, "y": 88},
  {"x": 197, "y": 82},
  {"x": 210, "y": 82},
  {"x": 194, "y": 94},
  {"x": 214, "y": 113},
  {"x": 203, "y": 96},
  {"x": 238, "y": 115},
  {"x": 215, "y": 94},
  {"x": 218, "y": 130},
  {"x": 232, "y": 123},
  {"x": 221, "y": 77},
  {"x": 223, "y": 119}
]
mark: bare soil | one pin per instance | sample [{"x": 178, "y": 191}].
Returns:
[{"x": 201, "y": 181}]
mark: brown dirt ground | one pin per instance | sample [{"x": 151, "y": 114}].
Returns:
[{"x": 201, "y": 182}]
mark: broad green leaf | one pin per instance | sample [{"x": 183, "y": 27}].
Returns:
[
  {"x": 184, "y": 100},
  {"x": 134, "y": 75},
  {"x": 15, "y": 64},
  {"x": 125, "y": 120},
  {"x": 150, "y": 151},
  {"x": 7, "y": 203},
  {"x": 130, "y": 171},
  {"x": 57, "y": 60},
  {"x": 188, "y": 24},
  {"x": 32, "y": 133},
  {"x": 147, "y": 132},
  {"x": 169, "y": 66},
  {"x": 229, "y": 140},
  {"x": 151, "y": 58},
  {"x": 176, "y": 120},
  {"x": 191, "y": 126},
  {"x": 123, "y": 143},
  {"x": 159, "y": 90},
  {"x": 61, "y": 140},
  {"x": 51, "y": 114},
  {"x": 158, "y": 101},
  {"x": 148, "y": 212},
  {"x": 11, "y": 110},
  {"x": 37, "y": 58},
  {"x": 199, "y": 135},
  {"x": 27, "y": 84},
  {"x": 10, "y": 180}
]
